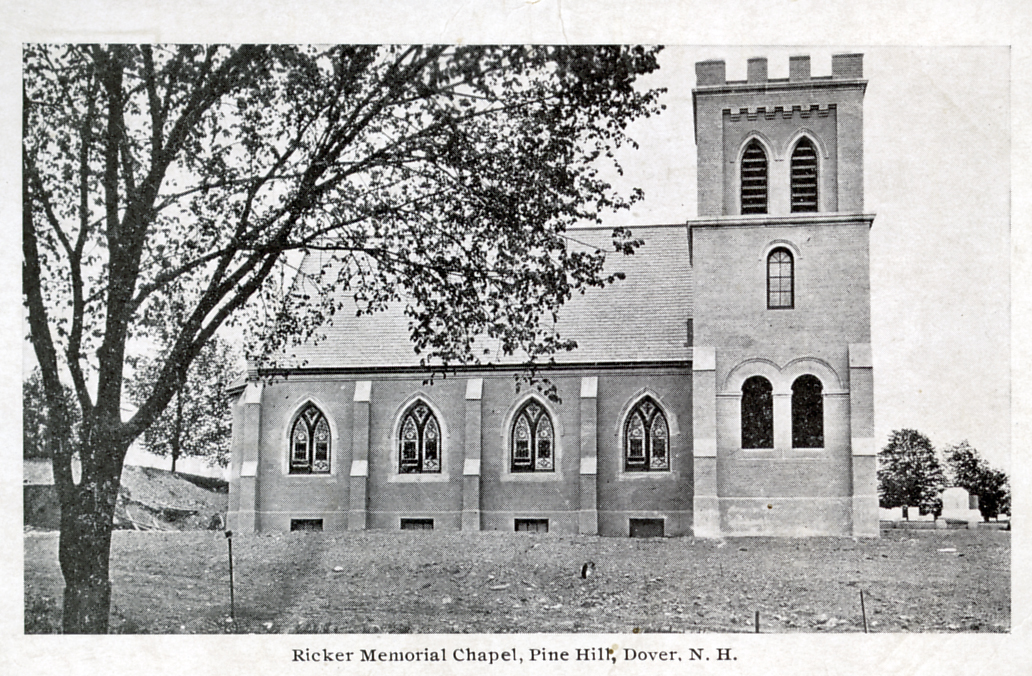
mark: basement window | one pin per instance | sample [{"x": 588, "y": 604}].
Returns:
[
  {"x": 531, "y": 525},
  {"x": 646, "y": 528},
  {"x": 310, "y": 525},
  {"x": 417, "y": 524}
]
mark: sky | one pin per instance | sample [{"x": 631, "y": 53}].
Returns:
[{"x": 937, "y": 176}]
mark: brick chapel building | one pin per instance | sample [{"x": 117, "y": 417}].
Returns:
[{"x": 723, "y": 388}]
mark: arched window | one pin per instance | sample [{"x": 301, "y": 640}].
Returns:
[
  {"x": 804, "y": 176},
  {"x": 780, "y": 280},
  {"x": 533, "y": 448},
  {"x": 757, "y": 413},
  {"x": 646, "y": 438},
  {"x": 310, "y": 442},
  {"x": 807, "y": 412},
  {"x": 754, "y": 179},
  {"x": 419, "y": 442}
]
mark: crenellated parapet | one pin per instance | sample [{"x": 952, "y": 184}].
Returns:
[{"x": 843, "y": 67}]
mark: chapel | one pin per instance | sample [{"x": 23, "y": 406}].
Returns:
[{"x": 723, "y": 388}]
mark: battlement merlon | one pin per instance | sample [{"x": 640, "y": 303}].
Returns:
[{"x": 843, "y": 67}]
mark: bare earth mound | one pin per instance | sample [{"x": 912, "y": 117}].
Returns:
[{"x": 155, "y": 499}]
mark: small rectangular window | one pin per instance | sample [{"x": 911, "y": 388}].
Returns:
[
  {"x": 306, "y": 524},
  {"x": 531, "y": 525},
  {"x": 417, "y": 524},
  {"x": 646, "y": 528}
]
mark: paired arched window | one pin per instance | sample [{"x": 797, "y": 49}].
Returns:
[
  {"x": 757, "y": 413},
  {"x": 533, "y": 440},
  {"x": 804, "y": 176},
  {"x": 754, "y": 179},
  {"x": 419, "y": 442},
  {"x": 310, "y": 442},
  {"x": 807, "y": 412},
  {"x": 646, "y": 438},
  {"x": 780, "y": 279}
]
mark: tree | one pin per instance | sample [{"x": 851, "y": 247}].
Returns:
[
  {"x": 440, "y": 177},
  {"x": 967, "y": 469},
  {"x": 198, "y": 421},
  {"x": 909, "y": 473},
  {"x": 34, "y": 417}
]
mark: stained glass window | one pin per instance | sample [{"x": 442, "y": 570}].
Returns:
[
  {"x": 646, "y": 438},
  {"x": 533, "y": 449},
  {"x": 420, "y": 441},
  {"x": 310, "y": 442}
]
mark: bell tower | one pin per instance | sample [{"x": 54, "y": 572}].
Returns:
[{"x": 782, "y": 377}]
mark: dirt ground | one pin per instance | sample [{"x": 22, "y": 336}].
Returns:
[{"x": 441, "y": 582}]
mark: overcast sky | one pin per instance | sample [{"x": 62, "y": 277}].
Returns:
[{"x": 937, "y": 176}]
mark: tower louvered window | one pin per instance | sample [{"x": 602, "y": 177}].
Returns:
[
  {"x": 646, "y": 438},
  {"x": 754, "y": 179},
  {"x": 533, "y": 448},
  {"x": 310, "y": 443},
  {"x": 804, "y": 176},
  {"x": 420, "y": 442}
]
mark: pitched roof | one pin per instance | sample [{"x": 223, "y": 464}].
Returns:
[{"x": 642, "y": 318}]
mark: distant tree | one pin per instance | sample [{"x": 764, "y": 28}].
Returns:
[
  {"x": 909, "y": 473},
  {"x": 966, "y": 468},
  {"x": 197, "y": 422},
  {"x": 34, "y": 417}
]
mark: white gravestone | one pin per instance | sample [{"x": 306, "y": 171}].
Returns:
[{"x": 956, "y": 507}]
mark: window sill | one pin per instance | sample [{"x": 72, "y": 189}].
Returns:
[
  {"x": 530, "y": 477},
  {"x": 657, "y": 475},
  {"x": 418, "y": 478}
]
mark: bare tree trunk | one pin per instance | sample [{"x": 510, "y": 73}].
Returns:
[{"x": 87, "y": 520}]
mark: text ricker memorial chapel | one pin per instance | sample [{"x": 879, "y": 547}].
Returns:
[{"x": 723, "y": 388}]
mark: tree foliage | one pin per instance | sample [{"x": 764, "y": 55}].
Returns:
[
  {"x": 197, "y": 422},
  {"x": 966, "y": 468},
  {"x": 909, "y": 473},
  {"x": 440, "y": 177}
]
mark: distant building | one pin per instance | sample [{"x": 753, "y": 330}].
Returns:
[{"x": 724, "y": 388}]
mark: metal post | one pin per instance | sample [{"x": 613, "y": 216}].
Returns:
[
  {"x": 863, "y": 610},
  {"x": 757, "y": 622},
  {"x": 232, "y": 602}
]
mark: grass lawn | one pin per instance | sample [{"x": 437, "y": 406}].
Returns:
[{"x": 452, "y": 582}]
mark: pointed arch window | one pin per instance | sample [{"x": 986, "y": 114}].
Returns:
[
  {"x": 310, "y": 442},
  {"x": 646, "y": 438},
  {"x": 804, "y": 176},
  {"x": 780, "y": 280},
  {"x": 419, "y": 443},
  {"x": 533, "y": 440},
  {"x": 807, "y": 412},
  {"x": 757, "y": 413},
  {"x": 754, "y": 179}
]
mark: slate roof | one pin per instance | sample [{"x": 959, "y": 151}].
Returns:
[{"x": 642, "y": 318}]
